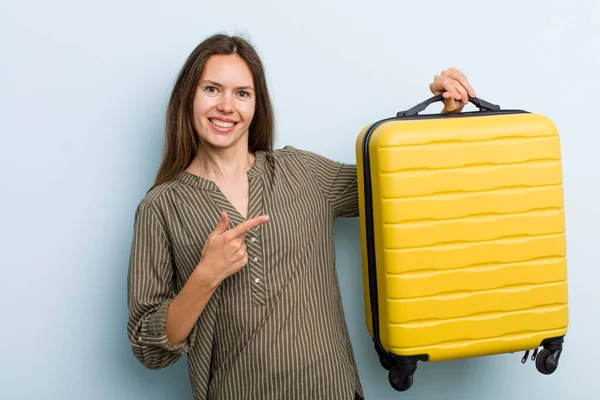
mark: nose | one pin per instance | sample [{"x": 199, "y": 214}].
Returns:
[{"x": 225, "y": 103}]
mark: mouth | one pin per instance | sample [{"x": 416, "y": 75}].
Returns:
[{"x": 223, "y": 126}]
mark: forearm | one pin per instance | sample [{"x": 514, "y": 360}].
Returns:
[{"x": 185, "y": 309}]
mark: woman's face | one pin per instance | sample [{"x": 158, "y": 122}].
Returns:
[{"x": 224, "y": 102}]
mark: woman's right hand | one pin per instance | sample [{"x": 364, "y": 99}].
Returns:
[
  {"x": 454, "y": 86},
  {"x": 224, "y": 253}
]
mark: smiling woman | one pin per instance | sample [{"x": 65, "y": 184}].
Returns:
[
  {"x": 223, "y": 110},
  {"x": 224, "y": 69},
  {"x": 224, "y": 102},
  {"x": 232, "y": 261}
]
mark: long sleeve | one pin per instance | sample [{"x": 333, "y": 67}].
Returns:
[
  {"x": 337, "y": 181},
  {"x": 149, "y": 292}
]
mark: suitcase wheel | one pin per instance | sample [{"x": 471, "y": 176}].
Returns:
[
  {"x": 546, "y": 361},
  {"x": 399, "y": 380},
  {"x": 386, "y": 361}
]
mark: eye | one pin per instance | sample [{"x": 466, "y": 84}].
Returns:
[
  {"x": 210, "y": 89},
  {"x": 244, "y": 94}
]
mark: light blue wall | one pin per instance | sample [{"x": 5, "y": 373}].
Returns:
[{"x": 83, "y": 88}]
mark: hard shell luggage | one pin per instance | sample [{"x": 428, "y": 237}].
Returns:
[{"x": 463, "y": 237}]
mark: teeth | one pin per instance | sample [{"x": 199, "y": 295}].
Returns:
[{"x": 222, "y": 124}]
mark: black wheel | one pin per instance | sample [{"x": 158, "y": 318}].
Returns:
[
  {"x": 385, "y": 359},
  {"x": 546, "y": 362},
  {"x": 399, "y": 381}
]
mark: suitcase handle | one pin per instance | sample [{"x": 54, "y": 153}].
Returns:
[{"x": 479, "y": 103}]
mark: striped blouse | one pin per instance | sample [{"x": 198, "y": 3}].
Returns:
[{"x": 274, "y": 330}]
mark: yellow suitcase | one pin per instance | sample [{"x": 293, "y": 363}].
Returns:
[{"x": 463, "y": 237}]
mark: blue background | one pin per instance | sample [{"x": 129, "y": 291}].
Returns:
[{"x": 83, "y": 90}]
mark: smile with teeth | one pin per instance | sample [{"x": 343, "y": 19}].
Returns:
[{"x": 221, "y": 124}]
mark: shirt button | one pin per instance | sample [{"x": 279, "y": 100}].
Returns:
[
  {"x": 257, "y": 280},
  {"x": 254, "y": 258},
  {"x": 253, "y": 239}
]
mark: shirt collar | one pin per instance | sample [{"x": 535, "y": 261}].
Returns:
[{"x": 194, "y": 180}]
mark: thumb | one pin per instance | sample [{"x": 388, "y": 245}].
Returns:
[{"x": 223, "y": 223}]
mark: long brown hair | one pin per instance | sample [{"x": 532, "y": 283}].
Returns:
[{"x": 181, "y": 140}]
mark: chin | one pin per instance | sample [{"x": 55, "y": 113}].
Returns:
[{"x": 220, "y": 141}]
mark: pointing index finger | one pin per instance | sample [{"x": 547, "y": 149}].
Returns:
[{"x": 249, "y": 224}]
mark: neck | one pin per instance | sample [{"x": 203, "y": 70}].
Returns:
[{"x": 221, "y": 164}]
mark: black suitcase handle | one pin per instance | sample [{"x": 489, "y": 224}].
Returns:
[{"x": 479, "y": 103}]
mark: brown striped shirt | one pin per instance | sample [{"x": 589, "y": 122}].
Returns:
[{"x": 274, "y": 330}]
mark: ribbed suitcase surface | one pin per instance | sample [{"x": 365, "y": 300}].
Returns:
[{"x": 468, "y": 232}]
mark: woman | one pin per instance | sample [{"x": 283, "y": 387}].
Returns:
[{"x": 232, "y": 260}]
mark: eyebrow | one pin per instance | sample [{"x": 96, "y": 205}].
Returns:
[{"x": 213, "y": 83}]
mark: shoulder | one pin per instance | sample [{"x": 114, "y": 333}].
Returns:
[
  {"x": 292, "y": 161},
  {"x": 158, "y": 192},
  {"x": 308, "y": 160},
  {"x": 284, "y": 158},
  {"x": 286, "y": 153},
  {"x": 290, "y": 154},
  {"x": 153, "y": 201}
]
